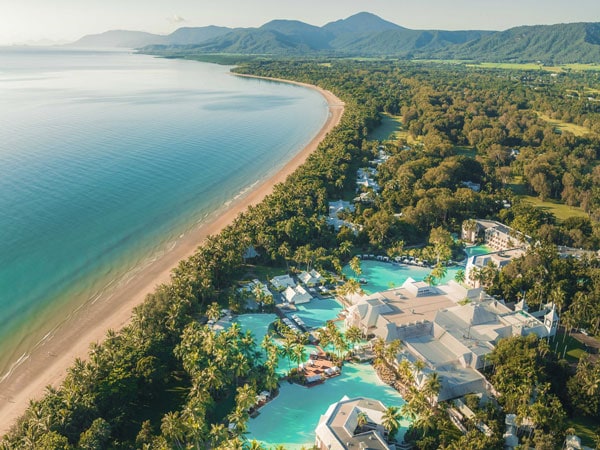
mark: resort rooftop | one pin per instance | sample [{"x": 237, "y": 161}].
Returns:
[{"x": 336, "y": 429}]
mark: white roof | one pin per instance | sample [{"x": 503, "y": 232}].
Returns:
[
  {"x": 297, "y": 295},
  {"x": 282, "y": 281}
]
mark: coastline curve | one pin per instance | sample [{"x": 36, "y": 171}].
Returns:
[{"x": 47, "y": 364}]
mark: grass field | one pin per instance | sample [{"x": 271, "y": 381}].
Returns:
[
  {"x": 585, "y": 428},
  {"x": 466, "y": 151},
  {"x": 581, "y": 67},
  {"x": 516, "y": 66},
  {"x": 391, "y": 130},
  {"x": 560, "y": 210},
  {"x": 262, "y": 273},
  {"x": 535, "y": 66},
  {"x": 390, "y": 126},
  {"x": 577, "y": 130},
  {"x": 574, "y": 348}
]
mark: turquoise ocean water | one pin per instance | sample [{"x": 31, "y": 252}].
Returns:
[{"x": 107, "y": 158}]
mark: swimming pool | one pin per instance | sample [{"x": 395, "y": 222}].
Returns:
[
  {"x": 477, "y": 250},
  {"x": 381, "y": 275},
  {"x": 291, "y": 418},
  {"x": 317, "y": 312}
]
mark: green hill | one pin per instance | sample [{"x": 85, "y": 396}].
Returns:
[
  {"x": 551, "y": 44},
  {"x": 367, "y": 35}
]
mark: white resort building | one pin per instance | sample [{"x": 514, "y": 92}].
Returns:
[
  {"x": 311, "y": 278},
  {"x": 338, "y": 427},
  {"x": 449, "y": 327},
  {"x": 282, "y": 281},
  {"x": 297, "y": 295},
  {"x": 498, "y": 258},
  {"x": 505, "y": 242},
  {"x": 335, "y": 208},
  {"x": 493, "y": 234}
]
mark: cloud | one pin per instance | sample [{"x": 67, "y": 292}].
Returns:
[{"x": 175, "y": 19}]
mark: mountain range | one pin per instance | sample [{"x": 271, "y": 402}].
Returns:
[{"x": 367, "y": 35}]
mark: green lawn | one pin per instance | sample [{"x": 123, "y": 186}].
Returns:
[
  {"x": 586, "y": 428},
  {"x": 466, "y": 151},
  {"x": 262, "y": 273},
  {"x": 577, "y": 130},
  {"x": 560, "y": 210},
  {"x": 575, "y": 349},
  {"x": 582, "y": 67},
  {"x": 390, "y": 126},
  {"x": 516, "y": 66}
]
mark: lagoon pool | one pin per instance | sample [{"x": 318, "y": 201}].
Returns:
[
  {"x": 258, "y": 324},
  {"x": 317, "y": 312},
  {"x": 291, "y": 418},
  {"x": 382, "y": 276}
]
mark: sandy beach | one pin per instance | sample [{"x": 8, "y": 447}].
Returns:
[{"x": 47, "y": 364}]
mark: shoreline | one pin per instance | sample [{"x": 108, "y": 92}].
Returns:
[{"x": 48, "y": 363}]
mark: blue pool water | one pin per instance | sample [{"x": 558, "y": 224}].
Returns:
[
  {"x": 381, "y": 276},
  {"x": 291, "y": 418},
  {"x": 317, "y": 312},
  {"x": 477, "y": 250}
]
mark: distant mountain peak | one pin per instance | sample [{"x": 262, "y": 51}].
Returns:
[{"x": 362, "y": 22}]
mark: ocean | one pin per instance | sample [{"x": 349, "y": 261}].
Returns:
[{"x": 107, "y": 158}]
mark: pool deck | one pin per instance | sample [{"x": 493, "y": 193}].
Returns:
[{"x": 319, "y": 366}]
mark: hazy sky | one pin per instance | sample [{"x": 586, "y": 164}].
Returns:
[{"x": 67, "y": 20}]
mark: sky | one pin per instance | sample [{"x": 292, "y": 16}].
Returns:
[{"x": 27, "y": 21}]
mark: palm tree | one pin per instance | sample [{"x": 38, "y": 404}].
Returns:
[
  {"x": 429, "y": 279},
  {"x": 245, "y": 397},
  {"x": 354, "y": 335},
  {"x": 238, "y": 418},
  {"x": 439, "y": 271},
  {"x": 286, "y": 350},
  {"x": 285, "y": 252},
  {"x": 345, "y": 248},
  {"x": 391, "y": 421},
  {"x": 361, "y": 420},
  {"x": 350, "y": 287},
  {"x": 255, "y": 445},
  {"x": 217, "y": 434},
  {"x": 378, "y": 346},
  {"x": 392, "y": 350},
  {"x": 213, "y": 312},
  {"x": 410, "y": 410},
  {"x": 432, "y": 387},
  {"x": 172, "y": 429},
  {"x": 355, "y": 266},
  {"x": 299, "y": 353},
  {"x": 259, "y": 295},
  {"x": 459, "y": 277},
  {"x": 405, "y": 371},
  {"x": 419, "y": 365}
]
